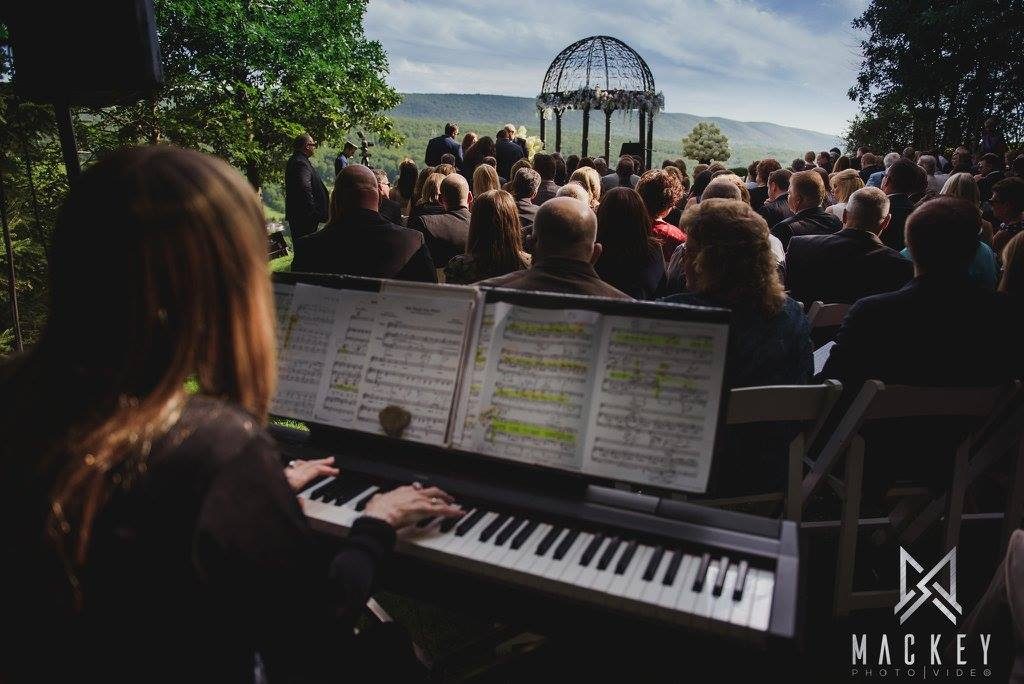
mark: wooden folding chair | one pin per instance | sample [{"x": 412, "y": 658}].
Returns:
[
  {"x": 876, "y": 401},
  {"x": 808, "y": 404},
  {"x": 826, "y": 315}
]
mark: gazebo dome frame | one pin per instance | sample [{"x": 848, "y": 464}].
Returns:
[{"x": 603, "y": 73}]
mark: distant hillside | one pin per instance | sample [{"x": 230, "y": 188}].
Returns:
[{"x": 498, "y": 109}]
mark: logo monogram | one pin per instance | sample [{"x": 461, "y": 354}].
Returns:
[{"x": 945, "y": 600}]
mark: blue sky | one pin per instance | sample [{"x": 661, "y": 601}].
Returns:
[{"x": 787, "y": 62}]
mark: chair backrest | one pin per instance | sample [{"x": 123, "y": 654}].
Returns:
[
  {"x": 826, "y": 315},
  {"x": 782, "y": 403}
]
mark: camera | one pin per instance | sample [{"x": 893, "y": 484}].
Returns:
[{"x": 364, "y": 148}]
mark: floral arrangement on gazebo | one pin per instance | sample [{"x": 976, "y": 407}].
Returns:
[{"x": 599, "y": 73}]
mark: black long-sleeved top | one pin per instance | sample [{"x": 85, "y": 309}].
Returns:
[{"x": 203, "y": 562}]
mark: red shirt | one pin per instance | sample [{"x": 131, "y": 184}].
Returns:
[{"x": 670, "y": 236}]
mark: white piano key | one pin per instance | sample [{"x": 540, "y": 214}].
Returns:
[
  {"x": 573, "y": 568},
  {"x": 605, "y": 577},
  {"x": 721, "y": 606},
  {"x": 589, "y": 574},
  {"x": 670, "y": 595},
  {"x": 544, "y": 560},
  {"x": 471, "y": 545},
  {"x": 652, "y": 590},
  {"x": 498, "y": 552},
  {"x": 351, "y": 503},
  {"x": 621, "y": 583},
  {"x": 741, "y": 609},
  {"x": 761, "y": 611},
  {"x": 556, "y": 568},
  {"x": 702, "y": 606},
  {"x": 305, "y": 493},
  {"x": 634, "y": 589},
  {"x": 527, "y": 557}
]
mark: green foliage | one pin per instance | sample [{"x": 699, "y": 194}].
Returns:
[
  {"x": 933, "y": 71},
  {"x": 706, "y": 143}
]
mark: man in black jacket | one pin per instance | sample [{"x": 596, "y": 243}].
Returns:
[
  {"x": 851, "y": 264},
  {"x": 991, "y": 168},
  {"x": 759, "y": 194},
  {"x": 544, "y": 164},
  {"x": 776, "y": 206},
  {"x": 806, "y": 194},
  {"x": 305, "y": 195},
  {"x": 444, "y": 144},
  {"x": 359, "y": 241},
  {"x": 525, "y": 184},
  {"x": 446, "y": 234},
  {"x": 507, "y": 153},
  {"x": 902, "y": 180},
  {"x": 868, "y": 165}
]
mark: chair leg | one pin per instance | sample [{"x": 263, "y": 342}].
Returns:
[
  {"x": 1015, "y": 501},
  {"x": 847, "y": 556},
  {"x": 794, "y": 502},
  {"x": 955, "y": 500}
]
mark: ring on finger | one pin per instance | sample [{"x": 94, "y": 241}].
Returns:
[
  {"x": 417, "y": 485},
  {"x": 293, "y": 464},
  {"x": 434, "y": 501}
]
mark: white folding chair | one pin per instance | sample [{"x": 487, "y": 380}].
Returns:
[
  {"x": 876, "y": 401},
  {"x": 808, "y": 404},
  {"x": 826, "y": 315}
]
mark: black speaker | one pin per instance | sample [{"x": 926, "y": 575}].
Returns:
[
  {"x": 84, "y": 53},
  {"x": 632, "y": 149}
]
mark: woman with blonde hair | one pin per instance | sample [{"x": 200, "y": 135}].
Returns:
[
  {"x": 429, "y": 202},
  {"x": 844, "y": 184},
  {"x": 485, "y": 179},
  {"x": 587, "y": 177},
  {"x": 964, "y": 186},
  {"x": 575, "y": 190},
  {"x": 523, "y": 163},
  {"x": 494, "y": 245},
  {"x": 1012, "y": 281},
  {"x": 156, "y": 522}
]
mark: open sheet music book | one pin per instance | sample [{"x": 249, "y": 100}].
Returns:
[{"x": 573, "y": 383}]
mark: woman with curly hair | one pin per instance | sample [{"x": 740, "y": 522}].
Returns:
[
  {"x": 729, "y": 263},
  {"x": 661, "y": 191},
  {"x": 494, "y": 245},
  {"x": 588, "y": 177}
]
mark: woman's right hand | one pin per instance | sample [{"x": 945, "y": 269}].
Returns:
[{"x": 409, "y": 504}]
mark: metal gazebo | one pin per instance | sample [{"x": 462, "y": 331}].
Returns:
[{"x": 602, "y": 73}]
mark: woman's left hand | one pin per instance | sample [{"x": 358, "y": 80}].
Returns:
[{"x": 301, "y": 473}]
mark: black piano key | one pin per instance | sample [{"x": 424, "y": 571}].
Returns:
[
  {"x": 654, "y": 563},
  {"x": 361, "y": 504},
  {"x": 609, "y": 553},
  {"x": 524, "y": 534},
  {"x": 566, "y": 543},
  {"x": 591, "y": 549},
  {"x": 702, "y": 573},
  {"x": 723, "y": 566},
  {"x": 332, "y": 490},
  {"x": 672, "y": 569},
  {"x": 319, "y": 491},
  {"x": 449, "y": 523},
  {"x": 548, "y": 540},
  {"x": 471, "y": 520},
  {"x": 627, "y": 558},
  {"x": 493, "y": 527},
  {"x": 741, "y": 579},
  {"x": 506, "y": 532},
  {"x": 346, "y": 491},
  {"x": 425, "y": 521}
]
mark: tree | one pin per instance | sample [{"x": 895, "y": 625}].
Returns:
[
  {"x": 933, "y": 71},
  {"x": 705, "y": 143},
  {"x": 243, "y": 77}
]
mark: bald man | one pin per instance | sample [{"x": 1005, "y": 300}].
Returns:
[
  {"x": 564, "y": 254},
  {"x": 359, "y": 241},
  {"x": 446, "y": 234}
]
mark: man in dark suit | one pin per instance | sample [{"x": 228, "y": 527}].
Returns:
[
  {"x": 544, "y": 164},
  {"x": 359, "y": 241},
  {"x": 446, "y": 234},
  {"x": 759, "y": 194},
  {"x": 902, "y": 180},
  {"x": 444, "y": 144},
  {"x": 389, "y": 209},
  {"x": 806, "y": 195},
  {"x": 851, "y": 264},
  {"x": 869, "y": 164},
  {"x": 564, "y": 255},
  {"x": 776, "y": 206},
  {"x": 940, "y": 330},
  {"x": 506, "y": 153},
  {"x": 305, "y": 195},
  {"x": 513, "y": 136},
  {"x": 991, "y": 168},
  {"x": 525, "y": 184}
]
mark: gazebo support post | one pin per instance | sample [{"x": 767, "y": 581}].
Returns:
[
  {"x": 650, "y": 138},
  {"x": 643, "y": 136},
  {"x": 541, "y": 112},
  {"x": 607, "y": 135},
  {"x": 558, "y": 130},
  {"x": 586, "y": 129}
]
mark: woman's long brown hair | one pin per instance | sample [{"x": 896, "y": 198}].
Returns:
[
  {"x": 495, "y": 234},
  {"x": 158, "y": 274}
]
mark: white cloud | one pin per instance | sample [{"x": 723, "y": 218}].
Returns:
[{"x": 732, "y": 58}]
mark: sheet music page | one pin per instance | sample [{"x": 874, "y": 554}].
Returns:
[
  {"x": 656, "y": 398},
  {"x": 533, "y": 403},
  {"x": 415, "y": 354},
  {"x": 303, "y": 332},
  {"x": 821, "y": 355},
  {"x": 469, "y": 403}
]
